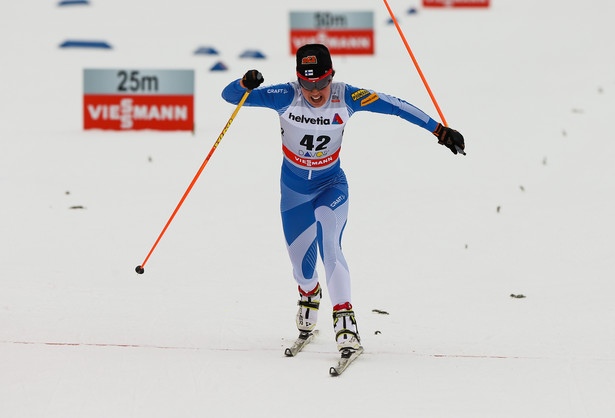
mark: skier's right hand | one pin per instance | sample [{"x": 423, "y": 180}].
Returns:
[{"x": 252, "y": 79}]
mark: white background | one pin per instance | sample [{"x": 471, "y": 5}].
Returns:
[{"x": 531, "y": 85}]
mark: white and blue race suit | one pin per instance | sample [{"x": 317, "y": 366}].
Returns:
[{"x": 314, "y": 191}]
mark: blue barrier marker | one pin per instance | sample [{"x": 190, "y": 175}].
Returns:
[
  {"x": 85, "y": 44},
  {"x": 252, "y": 54},
  {"x": 73, "y": 2},
  {"x": 206, "y": 50},
  {"x": 219, "y": 67}
]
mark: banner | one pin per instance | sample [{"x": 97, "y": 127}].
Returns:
[
  {"x": 130, "y": 99},
  {"x": 345, "y": 33},
  {"x": 456, "y": 3}
]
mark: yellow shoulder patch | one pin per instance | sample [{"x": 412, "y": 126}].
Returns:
[{"x": 359, "y": 94}]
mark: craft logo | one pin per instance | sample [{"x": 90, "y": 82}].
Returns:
[
  {"x": 309, "y": 60},
  {"x": 277, "y": 91},
  {"x": 337, "y": 201}
]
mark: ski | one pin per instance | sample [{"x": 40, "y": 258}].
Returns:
[
  {"x": 301, "y": 341},
  {"x": 348, "y": 356}
]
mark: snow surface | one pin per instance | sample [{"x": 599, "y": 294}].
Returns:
[{"x": 438, "y": 241}]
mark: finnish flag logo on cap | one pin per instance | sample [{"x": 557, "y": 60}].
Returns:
[{"x": 309, "y": 73}]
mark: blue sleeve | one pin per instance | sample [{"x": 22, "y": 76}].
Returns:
[
  {"x": 276, "y": 97},
  {"x": 359, "y": 100}
]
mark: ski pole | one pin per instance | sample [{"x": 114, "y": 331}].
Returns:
[
  {"x": 140, "y": 268},
  {"x": 416, "y": 64}
]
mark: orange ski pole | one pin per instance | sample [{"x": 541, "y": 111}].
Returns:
[
  {"x": 140, "y": 268},
  {"x": 416, "y": 64}
]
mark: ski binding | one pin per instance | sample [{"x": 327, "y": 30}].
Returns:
[
  {"x": 348, "y": 356},
  {"x": 304, "y": 339}
]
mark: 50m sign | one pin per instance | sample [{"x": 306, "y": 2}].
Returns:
[{"x": 347, "y": 33}]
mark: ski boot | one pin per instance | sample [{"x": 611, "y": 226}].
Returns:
[
  {"x": 346, "y": 331},
  {"x": 308, "y": 309}
]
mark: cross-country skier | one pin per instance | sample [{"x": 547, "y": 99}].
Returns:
[{"x": 313, "y": 113}]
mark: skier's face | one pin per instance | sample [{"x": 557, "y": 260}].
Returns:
[{"x": 315, "y": 97}]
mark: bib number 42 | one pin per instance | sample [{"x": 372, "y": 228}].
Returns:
[{"x": 321, "y": 142}]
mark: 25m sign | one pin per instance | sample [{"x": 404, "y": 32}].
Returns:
[{"x": 127, "y": 99}]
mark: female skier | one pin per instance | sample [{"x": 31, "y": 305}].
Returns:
[{"x": 313, "y": 112}]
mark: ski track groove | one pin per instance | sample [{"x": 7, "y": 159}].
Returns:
[{"x": 268, "y": 349}]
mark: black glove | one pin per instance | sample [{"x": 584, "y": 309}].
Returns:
[
  {"x": 450, "y": 138},
  {"x": 252, "y": 79}
]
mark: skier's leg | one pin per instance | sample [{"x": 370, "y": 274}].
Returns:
[
  {"x": 300, "y": 229},
  {"x": 331, "y": 215},
  {"x": 299, "y": 225}
]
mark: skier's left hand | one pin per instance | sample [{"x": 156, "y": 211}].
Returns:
[{"x": 450, "y": 138}]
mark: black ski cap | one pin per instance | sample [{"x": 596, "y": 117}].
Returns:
[{"x": 313, "y": 61}]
